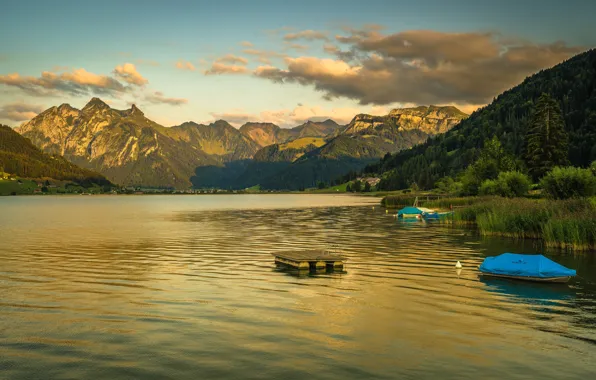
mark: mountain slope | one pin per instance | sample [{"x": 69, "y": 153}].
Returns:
[
  {"x": 18, "y": 156},
  {"x": 363, "y": 140},
  {"x": 572, "y": 83},
  {"x": 265, "y": 134},
  {"x": 219, "y": 140},
  {"x": 129, "y": 148},
  {"x": 305, "y": 161}
]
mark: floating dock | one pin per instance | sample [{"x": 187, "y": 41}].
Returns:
[{"x": 312, "y": 259}]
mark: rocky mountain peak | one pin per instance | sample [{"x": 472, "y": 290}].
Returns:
[
  {"x": 222, "y": 124},
  {"x": 134, "y": 111},
  {"x": 95, "y": 104}
]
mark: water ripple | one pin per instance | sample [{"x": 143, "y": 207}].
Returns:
[{"x": 186, "y": 287}]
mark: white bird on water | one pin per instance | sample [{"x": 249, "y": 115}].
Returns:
[{"x": 458, "y": 265}]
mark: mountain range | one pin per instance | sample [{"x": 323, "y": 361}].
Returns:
[{"x": 132, "y": 150}]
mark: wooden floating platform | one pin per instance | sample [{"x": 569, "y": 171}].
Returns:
[{"x": 311, "y": 259}]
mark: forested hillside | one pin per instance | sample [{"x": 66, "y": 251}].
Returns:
[
  {"x": 572, "y": 84},
  {"x": 18, "y": 156}
]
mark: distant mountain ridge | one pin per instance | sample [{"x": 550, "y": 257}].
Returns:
[
  {"x": 365, "y": 139},
  {"x": 266, "y": 134},
  {"x": 130, "y": 149}
]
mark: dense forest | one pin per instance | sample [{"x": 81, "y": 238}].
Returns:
[
  {"x": 19, "y": 157},
  {"x": 571, "y": 83}
]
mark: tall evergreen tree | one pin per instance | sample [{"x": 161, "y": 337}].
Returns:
[{"x": 546, "y": 139}]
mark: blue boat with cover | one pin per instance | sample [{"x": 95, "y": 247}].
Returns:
[
  {"x": 526, "y": 267},
  {"x": 413, "y": 212}
]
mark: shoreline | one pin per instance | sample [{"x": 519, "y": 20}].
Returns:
[{"x": 569, "y": 225}]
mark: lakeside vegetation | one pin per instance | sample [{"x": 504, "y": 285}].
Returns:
[{"x": 535, "y": 195}]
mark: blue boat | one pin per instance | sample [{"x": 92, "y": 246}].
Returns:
[
  {"x": 413, "y": 212},
  {"x": 526, "y": 267},
  {"x": 436, "y": 215}
]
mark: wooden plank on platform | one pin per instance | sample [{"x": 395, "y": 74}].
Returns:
[{"x": 310, "y": 256}]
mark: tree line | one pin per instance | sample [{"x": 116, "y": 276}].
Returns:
[{"x": 510, "y": 119}]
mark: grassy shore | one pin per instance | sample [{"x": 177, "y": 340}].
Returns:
[{"x": 569, "y": 224}]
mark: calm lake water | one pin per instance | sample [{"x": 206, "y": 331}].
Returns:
[{"x": 185, "y": 287}]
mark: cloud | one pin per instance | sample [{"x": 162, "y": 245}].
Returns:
[
  {"x": 159, "y": 98},
  {"x": 421, "y": 67},
  {"x": 297, "y": 47},
  {"x": 231, "y": 58},
  {"x": 264, "y": 56},
  {"x": 147, "y": 62},
  {"x": 185, "y": 65},
  {"x": 309, "y": 35},
  {"x": 297, "y": 115},
  {"x": 20, "y": 111},
  {"x": 218, "y": 68},
  {"x": 76, "y": 82},
  {"x": 246, "y": 44},
  {"x": 128, "y": 73},
  {"x": 228, "y": 64}
]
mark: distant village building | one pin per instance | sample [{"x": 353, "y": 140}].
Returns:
[{"x": 373, "y": 181}]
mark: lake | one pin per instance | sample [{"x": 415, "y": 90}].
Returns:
[{"x": 185, "y": 287}]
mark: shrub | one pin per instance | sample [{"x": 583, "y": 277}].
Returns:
[
  {"x": 447, "y": 185},
  {"x": 490, "y": 187},
  {"x": 507, "y": 184},
  {"x": 514, "y": 184},
  {"x": 569, "y": 182},
  {"x": 357, "y": 186}
]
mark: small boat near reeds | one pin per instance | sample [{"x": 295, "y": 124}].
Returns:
[
  {"x": 435, "y": 215},
  {"x": 525, "y": 267},
  {"x": 413, "y": 212}
]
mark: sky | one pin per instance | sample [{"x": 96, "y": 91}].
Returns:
[{"x": 277, "y": 61}]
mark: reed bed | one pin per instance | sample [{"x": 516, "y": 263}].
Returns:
[{"x": 567, "y": 224}]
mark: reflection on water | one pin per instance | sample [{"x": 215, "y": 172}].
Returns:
[
  {"x": 528, "y": 292},
  {"x": 177, "y": 287}
]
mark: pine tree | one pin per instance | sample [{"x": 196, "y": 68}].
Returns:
[{"x": 546, "y": 139}]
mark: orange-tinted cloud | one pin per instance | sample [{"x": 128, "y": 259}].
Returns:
[
  {"x": 76, "y": 82},
  {"x": 233, "y": 59},
  {"x": 422, "y": 67},
  {"x": 309, "y": 35},
  {"x": 20, "y": 111},
  {"x": 159, "y": 98},
  {"x": 295, "y": 46},
  {"x": 264, "y": 56},
  {"x": 218, "y": 68},
  {"x": 128, "y": 73},
  {"x": 185, "y": 65},
  {"x": 147, "y": 62}
]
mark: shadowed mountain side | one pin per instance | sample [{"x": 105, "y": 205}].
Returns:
[
  {"x": 307, "y": 173},
  {"x": 236, "y": 175}
]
